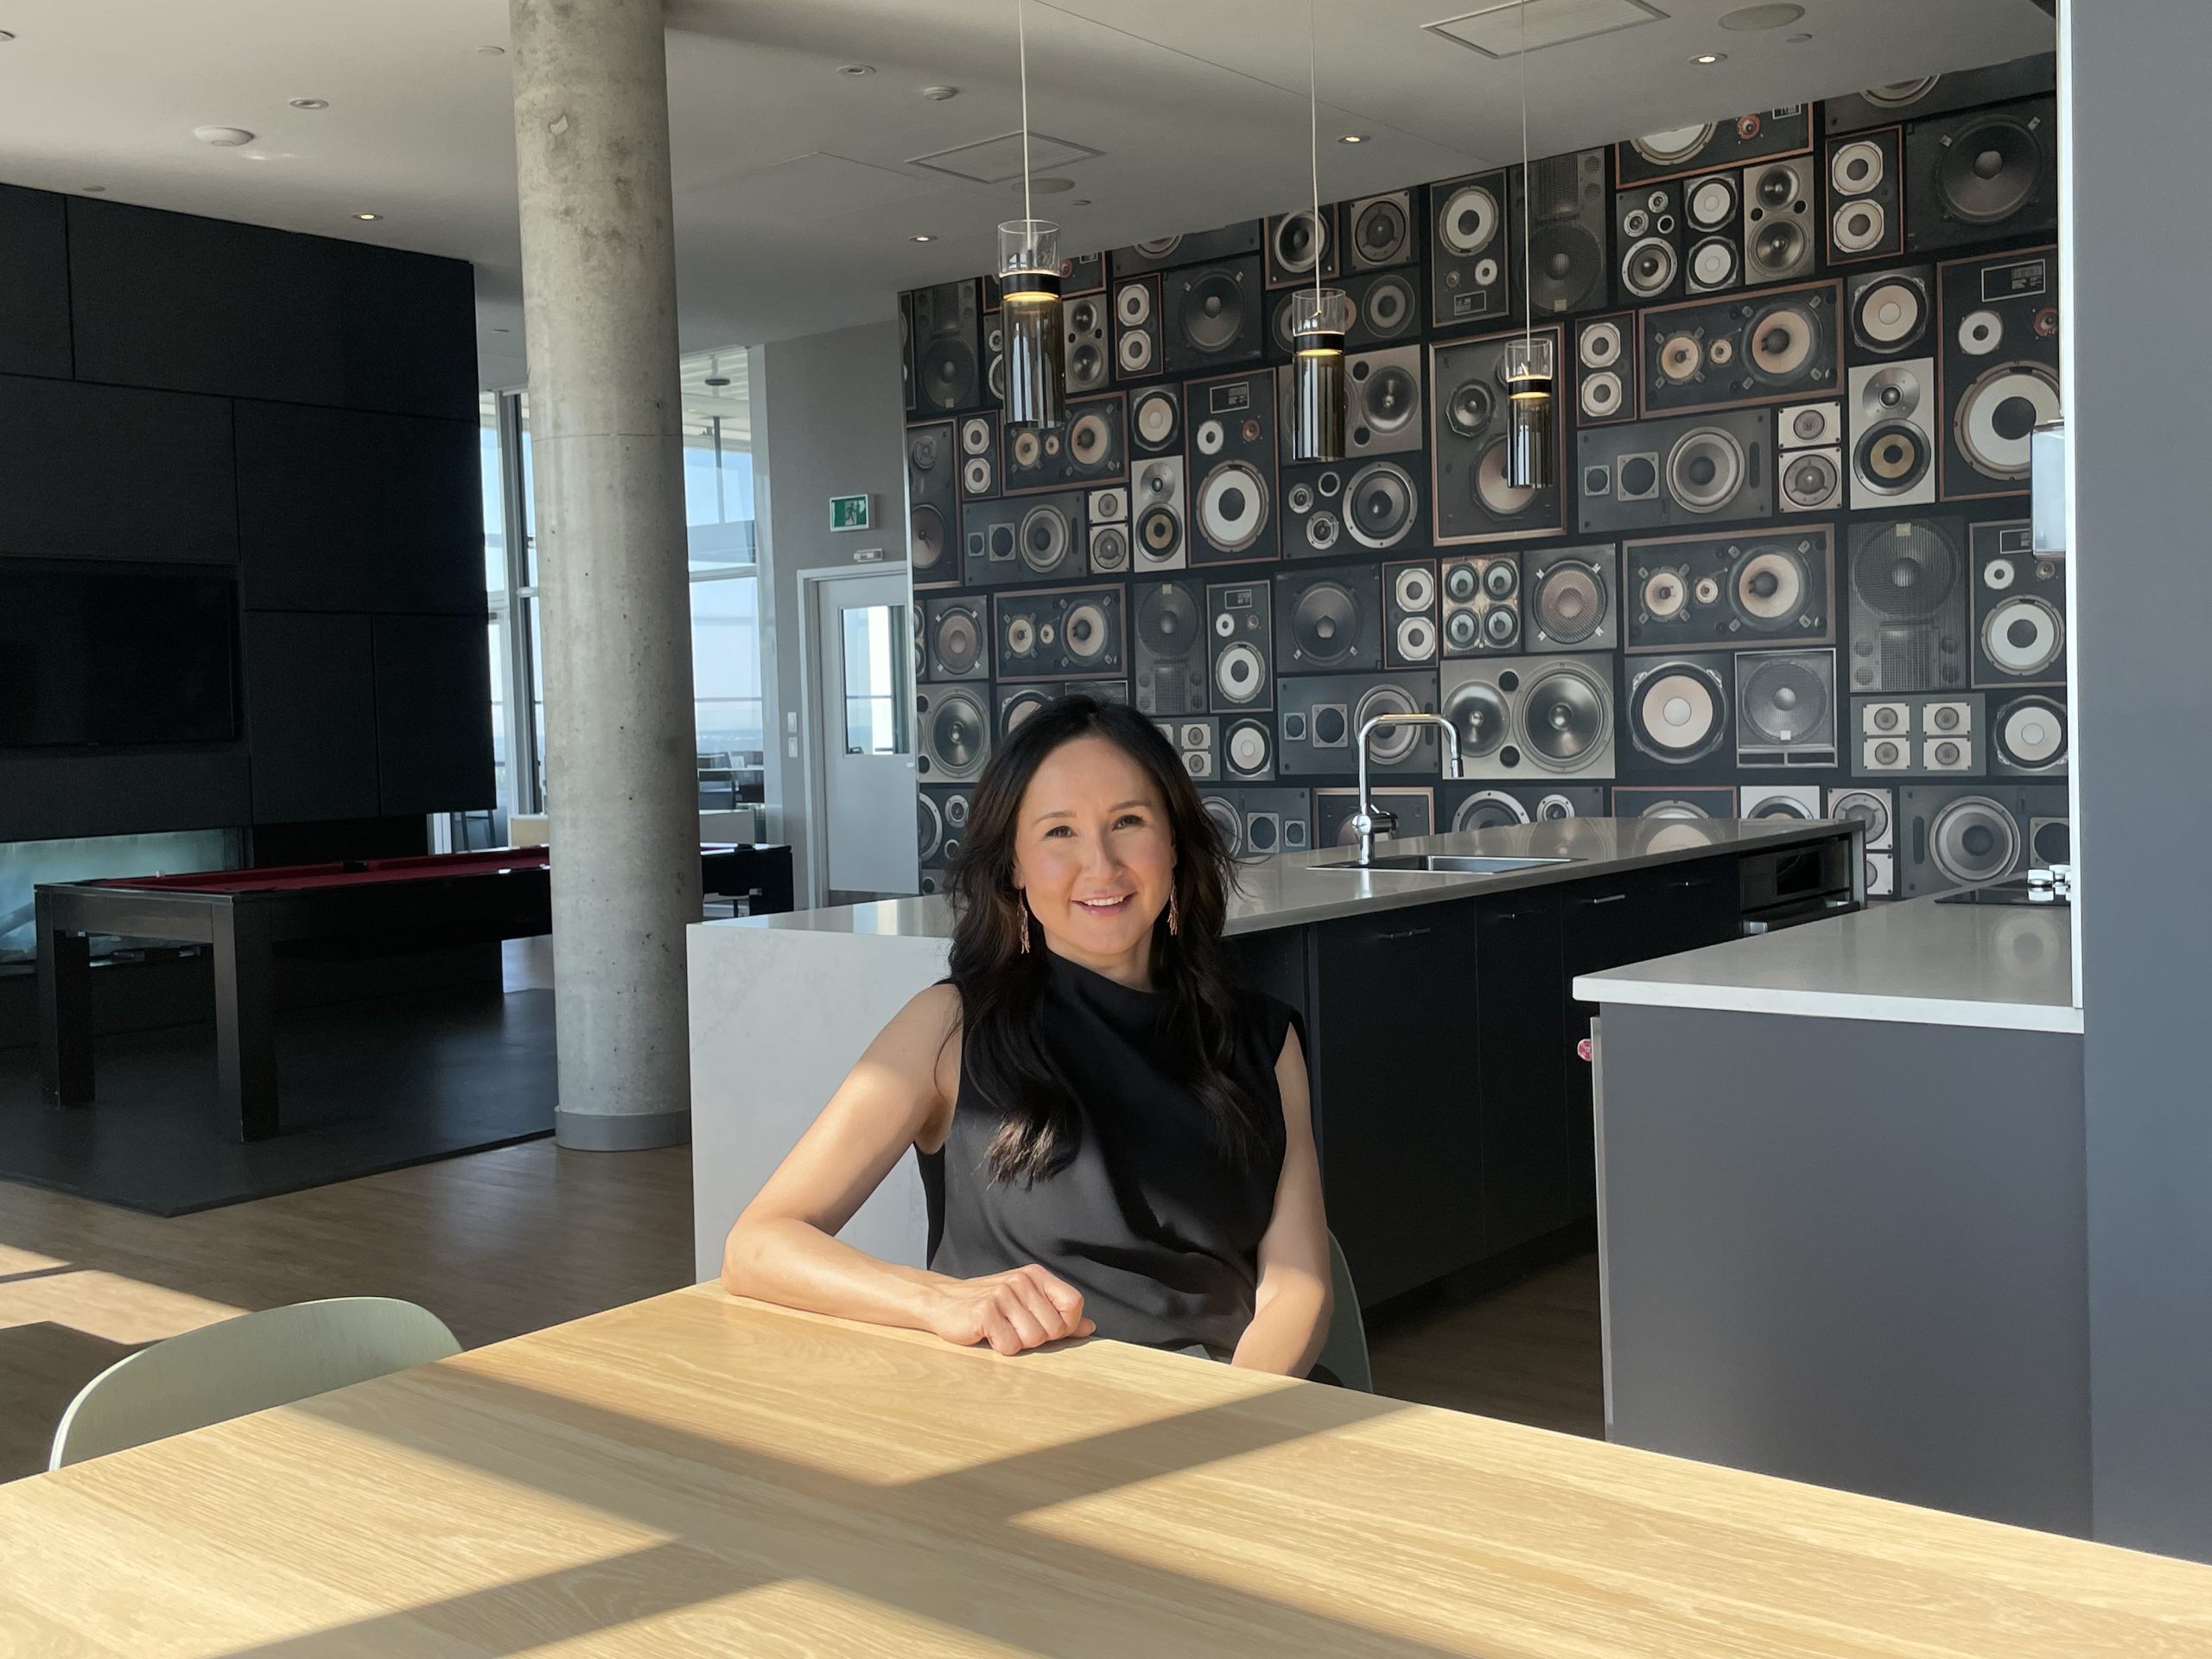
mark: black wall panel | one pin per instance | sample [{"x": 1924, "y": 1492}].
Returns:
[
  {"x": 311, "y": 717},
  {"x": 341, "y": 509},
  {"x": 434, "y": 714},
  {"x": 33, "y": 283},
  {"x": 114, "y": 472},
  {"x": 203, "y": 305},
  {"x": 51, "y": 797}
]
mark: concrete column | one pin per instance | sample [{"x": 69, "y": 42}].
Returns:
[{"x": 599, "y": 308}]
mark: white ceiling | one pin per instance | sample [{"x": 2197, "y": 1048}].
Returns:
[{"x": 796, "y": 197}]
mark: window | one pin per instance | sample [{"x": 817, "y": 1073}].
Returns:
[
  {"x": 876, "y": 701},
  {"x": 24, "y": 864}
]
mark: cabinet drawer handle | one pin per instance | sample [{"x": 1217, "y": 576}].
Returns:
[
  {"x": 1407, "y": 933},
  {"x": 1608, "y": 898}
]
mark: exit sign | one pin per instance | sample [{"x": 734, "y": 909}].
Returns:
[{"x": 850, "y": 512}]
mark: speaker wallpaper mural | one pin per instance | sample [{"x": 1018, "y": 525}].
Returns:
[{"x": 1784, "y": 568}]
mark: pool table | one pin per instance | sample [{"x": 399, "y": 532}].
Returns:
[{"x": 383, "y": 904}]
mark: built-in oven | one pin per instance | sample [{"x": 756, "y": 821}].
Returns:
[{"x": 1789, "y": 885}]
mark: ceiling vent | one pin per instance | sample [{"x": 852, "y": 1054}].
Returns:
[
  {"x": 998, "y": 160},
  {"x": 1495, "y": 30}
]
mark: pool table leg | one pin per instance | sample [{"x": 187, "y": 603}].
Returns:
[
  {"x": 246, "y": 1020},
  {"x": 65, "y": 1010}
]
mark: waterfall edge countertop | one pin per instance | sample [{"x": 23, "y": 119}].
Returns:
[
  {"x": 1919, "y": 963},
  {"x": 1285, "y": 890}
]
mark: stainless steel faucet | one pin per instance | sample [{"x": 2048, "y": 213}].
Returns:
[{"x": 1369, "y": 817}]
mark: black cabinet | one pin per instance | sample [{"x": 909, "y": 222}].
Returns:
[
  {"x": 311, "y": 718},
  {"x": 48, "y": 795},
  {"x": 433, "y": 678},
  {"x": 1396, "y": 1093},
  {"x": 1522, "y": 1059},
  {"x": 33, "y": 283},
  {"x": 112, "y": 473},
  {"x": 340, "y": 510}
]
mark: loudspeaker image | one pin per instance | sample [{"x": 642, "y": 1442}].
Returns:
[
  {"x": 1080, "y": 273},
  {"x": 1321, "y": 715},
  {"x": 2020, "y": 607},
  {"x": 1088, "y": 355},
  {"x": 952, "y": 732},
  {"x": 1695, "y": 469},
  {"x": 2027, "y": 735},
  {"x": 1666, "y": 805},
  {"x": 1170, "y": 648},
  {"x": 1891, "y": 310},
  {"x": 1693, "y": 593},
  {"x": 1604, "y": 369},
  {"x": 1221, "y": 806},
  {"x": 1232, "y": 422},
  {"x": 1383, "y": 231},
  {"x": 1383, "y": 405},
  {"x": 1240, "y": 618},
  {"x": 1330, "y": 622},
  {"x": 1811, "y": 436},
  {"x": 994, "y": 360},
  {"x": 1648, "y": 221},
  {"x": 1410, "y": 639},
  {"x": 1383, "y": 507},
  {"x": 1298, "y": 245},
  {"x": 1909, "y": 621},
  {"x": 1573, "y": 602},
  {"x": 1384, "y": 305},
  {"x": 1976, "y": 177},
  {"x": 1961, "y": 837},
  {"x": 1039, "y": 538},
  {"x": 1018, "y": 703},
  {"x": 1137, "y": 353},
  {"x": 1681, "y": 151},
  {"x": 1999, "y": 368},
  {"x": 1570, "y": 230},
  {"x": 1963, "y": 89},
  {"x": 1313, "y": 511},
  {"x": 1791, "y": 803},
  {"x": 1197, "y": 741},
  {"x": 947, "y": 348},
  {"x": 1333, "y": 809},
  {"x": 956, "y": 636},
  {"x": 1092, "y": 449},
  {"x": 1108, "y": 511},
  {"x": 1482, "y": 604},
  {"x": 932, "y": 491},
  {"x": 1866, "y": 212},
  {"x": 1156, "y": 421},
  {"x": 1469, "y": 268},
  {"x": 1925, "y": 734},
  {"x": 1060, "y": 634},
  {"x": 1678, "y": 710},
  {"x": 943, "y": 823},
  {"x": 1870, "y": 808},
  {"x": 1475, "y": 500},
  {"x": 1211, "y": 316},
  {"x": 1778, "y": 241},
  {"x": 1275, "y": 820},
  {"x": 1494, "y": 806},
  {"x": 1786, "y": 708},
  {"x": 979, "y": 456},
  {"x": 1158, "y": 517},
  {"x": 1247, "y": 748},
  {"x": 1197, "y": 248},
  {"x": 1892, "y": 409},
  {"x": 906, "y": 350},
  {"x": 1766, "y": 348},
  {"x": 1713, "y": 211},
  {"x": 1524, "y": 716}
]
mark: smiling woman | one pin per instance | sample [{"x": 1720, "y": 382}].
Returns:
[{"x": 1114, "y": 1136}]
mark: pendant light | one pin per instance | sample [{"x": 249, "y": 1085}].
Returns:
[
  {"x": 1029, "y": 295},
  {"x": 1528, "y": 385},
  {"x": 1319, "y": 320}
]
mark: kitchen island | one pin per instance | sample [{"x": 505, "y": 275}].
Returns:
[
  {"x": 1843, "y": 1215},
  {"x": 1452, "y": 1112}
]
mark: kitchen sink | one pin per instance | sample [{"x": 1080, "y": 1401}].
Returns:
[{"x": 1447, "y": 863}]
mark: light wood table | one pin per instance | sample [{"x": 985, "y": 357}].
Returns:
[{"x": 693, "y": 1475}]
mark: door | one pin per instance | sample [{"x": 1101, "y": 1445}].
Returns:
[{"x": 863, "y": 735}]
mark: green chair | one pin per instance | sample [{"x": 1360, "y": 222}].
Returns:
[{"x": 1344, "y": 1352}]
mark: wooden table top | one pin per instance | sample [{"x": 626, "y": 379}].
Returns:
[{"x": 694, "y": 1475}]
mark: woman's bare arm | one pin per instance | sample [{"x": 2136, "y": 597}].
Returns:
[{"x": 1290, "y": 1321}]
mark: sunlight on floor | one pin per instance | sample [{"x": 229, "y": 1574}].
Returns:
[{"x": 105, "y": 1305}]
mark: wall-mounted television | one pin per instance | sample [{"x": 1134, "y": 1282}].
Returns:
[{"x": 104, "y": 656}]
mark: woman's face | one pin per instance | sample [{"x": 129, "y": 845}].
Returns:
[{"x": 1094, "y": 856}]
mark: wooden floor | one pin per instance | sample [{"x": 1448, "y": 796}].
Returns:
[{"x": 499, "y": 1242}]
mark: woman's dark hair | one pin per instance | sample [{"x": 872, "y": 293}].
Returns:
[{"x": 1004, "y": 1055}]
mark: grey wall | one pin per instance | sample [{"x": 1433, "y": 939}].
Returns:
[
  {"x": 2143, "y": 701},
  {"x": 826, "y": 421}
]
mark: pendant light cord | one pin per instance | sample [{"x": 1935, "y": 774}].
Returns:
[
  {"x": 1313, "y": 156},
  {"x": 1021, "y": 33},
  {"x": 1528, "y": 252}
]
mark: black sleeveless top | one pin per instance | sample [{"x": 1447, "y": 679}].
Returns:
[{"x": 1157, "y": 1226}]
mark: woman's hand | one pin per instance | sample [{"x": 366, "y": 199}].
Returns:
[{"x": 1026, "y": 1309}]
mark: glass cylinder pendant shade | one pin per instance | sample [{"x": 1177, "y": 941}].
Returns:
[
  {"x": 1029, "y": 308},
  {"x": 1319, "y": 319},
  {"x": 1529, "y": 409}
]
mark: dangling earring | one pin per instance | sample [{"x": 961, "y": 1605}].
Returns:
[
  {"x": 1024, "y": 903},
  {"x": 1174, "y": 923}
]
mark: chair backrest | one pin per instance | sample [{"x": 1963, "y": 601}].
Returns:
[
  {"x": 245, "y": 1365},
  {"x": 1344, "y": 1351}
]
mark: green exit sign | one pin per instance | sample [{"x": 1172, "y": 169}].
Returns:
[{"x": 850, "y": 512}]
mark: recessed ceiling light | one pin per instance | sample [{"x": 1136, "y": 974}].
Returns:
[
  {"x": 223, "y": 138},
  {"x": 856, "y": 69},
  {"x": 490, "y": 51},
  {"x": 938, "y": 94},
  {"x": 368, "y": 216},
  {"x": 1746, "y": 18},
  {"x": 925, "y": 237},
  {"x": 1353, "y": 138},
  {"x": 1709, "y": 59},
  {"x": 310, "y": 103}
]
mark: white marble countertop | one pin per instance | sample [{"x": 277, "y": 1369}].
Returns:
[
  {"x": 1286, "y": 890},
  {"x": 1918, "y": 962}
]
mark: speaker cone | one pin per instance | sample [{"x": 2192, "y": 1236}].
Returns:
[
  {"x": 1325, "y": 621},
  {"x": 926, "y": 538},
  {"x": 1599, "y": 345},
  {"x": 1301, "y": 243},
  {"x": 1769, "y": 589},
  {"x": 1168, "y": 621},
  {"x": 959, "y": 641},
  {"x": 930, "y": 827},
  {"x": 948, "y": 374},
  {"x": 1379, "y": 505},
  {"x": 1564, "y": 715},
  {"x": 1682, "y": 357},
  {"x": 1973, "y": 839},
  {"x": 1675, "y": 146},
  {"x": 1601, "y": 395},
  {"x": 1416, "y": 638},
  {"x": 1990, "y": 169},
  {"x": 1705, "y": 469},
  {"x": 1226, "y": 821},
  {"x": 1495, "y": 491},
  {"x": 1856, "y": 167},
  {"x": 1390, "y": 307},
  {"x": 1232, "y": 506},
  {"x": 1810, "y": 481},
  {"x": 1649, "y": 268},
  {"x": 1086, "y": 633},
  {"x": 1414, "y": 589},
  {"x": 1680, "y": 714},
  {"x": 1019, "y": 707},
  {"x": 1240, "y": 673},
  {"x": 1712, "y": 262},
  {"x": 1890, "y": 314},
  {"x": 1488, "y": 809},
  {"x": 1782, "y": 341},
  {"x": 1666, "y": 594},
  {"x": 1783, "y": 701},
  {"x": 953, "y": 735},
  {"x": 1090, "y": 439},
  {"x": 1248, "y": 747},
  {"x": 1712, "y": 203},
  {"x": 1393, "y": 742},
  {"x": 1212, "y": 311},
  {"x": 1568, "y": 268},
  {"x": 1863, "y": 806},
  {"x": 1156, "y": 417},
  {"x": 1469, "y": 221},
  {"x": 1381, "y": 236},
  {"x": 2024, "y": 635},
  {"x": 1478, "y": 712},
  {"x": 1860, "y": 226},
  {"x": 1999, "y": 415},
  {"x": 1905, "y": 571},
  {"x": 1044, "y": 538},
  {"x": 2032, "y": 734},
  {"x": 1569, "y": 599},
  {"x": 1386, "y": 403}
]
